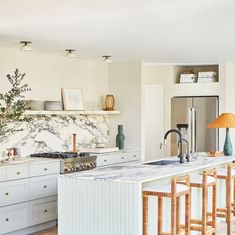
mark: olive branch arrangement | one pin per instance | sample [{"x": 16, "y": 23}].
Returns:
[{"x": 12, "y": 103}]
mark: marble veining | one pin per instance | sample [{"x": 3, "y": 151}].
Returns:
[
  {"x": 139, "y": 172},
  {"x": 45, "y": 133}
]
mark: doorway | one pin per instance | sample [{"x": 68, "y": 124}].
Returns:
[{"x": 153, "y": 121}]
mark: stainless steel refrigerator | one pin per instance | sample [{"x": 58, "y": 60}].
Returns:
[{"x": 191, "y": 115}]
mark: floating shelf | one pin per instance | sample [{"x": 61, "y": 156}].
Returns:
[{"x": 63, "y": 112}]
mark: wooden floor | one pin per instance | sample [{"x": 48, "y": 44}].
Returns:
[{"x": 221, "y": 229}]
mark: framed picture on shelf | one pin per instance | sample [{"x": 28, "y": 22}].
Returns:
[{"x": 72, "y": 99}]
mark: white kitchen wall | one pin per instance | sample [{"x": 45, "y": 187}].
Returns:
[
  {"x": 230, "y": 95},
  {"x": 126, "y": 86},
  {"x": 164, "y": 74},
  {"x": 46, "y": 74}
]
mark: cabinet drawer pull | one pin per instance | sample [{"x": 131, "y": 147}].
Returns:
[
  {"x": 122, "y": 157},
  {"x": 18, "y": 173},
  {"x": 45, "y": 211},
  {"x": 45, "y": 186},
  {"x": 7, "y": 219},
  {"x": 134, "y": 155},
  {"x": 6, "y": 194},
  {"x": 45, "y": 169},
  {"x": 105, "y": 160}
]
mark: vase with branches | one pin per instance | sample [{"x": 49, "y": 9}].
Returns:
[{"x": 12, "y": 103}]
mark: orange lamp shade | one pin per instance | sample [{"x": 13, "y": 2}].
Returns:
[{"x": 225, "y": 120}]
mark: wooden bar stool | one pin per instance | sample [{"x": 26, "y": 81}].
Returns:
[
  {"x": 179, "y": 186},
  {"x": 227, "y": 174},
  {"x": 204, "y": 181}
]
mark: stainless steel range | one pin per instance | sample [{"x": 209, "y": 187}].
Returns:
[{"x": 71, "y": 162}]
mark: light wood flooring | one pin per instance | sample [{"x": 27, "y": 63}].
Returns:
[{"x": 221, "y": 229}]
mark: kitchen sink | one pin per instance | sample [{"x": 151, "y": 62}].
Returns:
[{"x": 162, "y": 162}]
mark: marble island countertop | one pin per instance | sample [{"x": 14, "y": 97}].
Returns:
[{"x": 141, "y": 173}]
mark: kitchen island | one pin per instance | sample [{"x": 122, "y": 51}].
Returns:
[{"x": 108, "y": 200}]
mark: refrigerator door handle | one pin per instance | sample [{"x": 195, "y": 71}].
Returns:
[
  {"x": 190, "y": 130},
  {"x": 193, "y": 132},
  {"x": 194, "y": 122}
]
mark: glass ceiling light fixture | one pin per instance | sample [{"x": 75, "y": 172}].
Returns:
[
  {"x": 25, "y": 46},
  {"x": 107, "y": 58},
  {"x": 70, "y": 53}
]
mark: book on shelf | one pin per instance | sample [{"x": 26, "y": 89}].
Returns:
[{"x": 187, "y": 78}]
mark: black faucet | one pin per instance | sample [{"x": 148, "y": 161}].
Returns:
[{"x": 180, "y": 156}]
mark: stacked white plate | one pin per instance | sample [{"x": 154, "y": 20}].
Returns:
[
  {"x": 35, "y": 105},
  {"x": 53, "y": 105}
]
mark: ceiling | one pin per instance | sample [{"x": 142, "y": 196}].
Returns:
[{"x": 167, "y": 31}]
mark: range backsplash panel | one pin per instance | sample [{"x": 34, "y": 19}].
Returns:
[{"x": 54, "y": 133}]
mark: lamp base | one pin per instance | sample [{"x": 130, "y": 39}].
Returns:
[{"x": 228, "y": 148}]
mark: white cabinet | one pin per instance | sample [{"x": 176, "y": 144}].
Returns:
[
  {"x": 43, "y": 186},
  {"x": 28, "y": 195},
  {"x": 109, "y": 159},
  {"x": 17, "y": 172},
  {"x": 13, "y": 192},
  {"x": 46, "y": 168},
  {"x": 3, "y": 174},
  {"x": 13, "y": 217},
  {"x": 42, "y": 210}
]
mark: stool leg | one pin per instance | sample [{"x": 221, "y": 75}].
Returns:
[
  {"x": 187, "y": 213},
  {"x": 177, "y": 215},
  {"x": 145, "y": 214},
  {"x": 234, "y": 196},
  {"x": 159, "y": 225},
  {"x": 228, "y": 202},
  {"x": 204, "y": 209},
  {"x": 173, "y": 215},
  {"x": 214, "y": 207}
]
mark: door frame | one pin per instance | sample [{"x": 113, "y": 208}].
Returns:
[{"x": 143, "y": 117}]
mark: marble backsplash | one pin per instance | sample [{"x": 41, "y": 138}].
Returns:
[{"x": 54, "y": 133}]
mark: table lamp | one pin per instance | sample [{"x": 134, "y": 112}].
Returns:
[{"x": 225, "y": 120}]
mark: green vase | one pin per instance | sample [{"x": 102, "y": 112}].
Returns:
[
  {"x": 228, "y": 148},
  {"x": 120, "y": 137}
]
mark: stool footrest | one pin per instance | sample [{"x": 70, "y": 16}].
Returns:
[
  {"x": 221, "y": 215},
  {"x": 221, "y": 210},
  {"x": 196, "y": 228}
]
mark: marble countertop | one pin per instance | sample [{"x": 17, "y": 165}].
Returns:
[
  {"x": 141, "y": 173},
  {"x": 26, "y": 161}
]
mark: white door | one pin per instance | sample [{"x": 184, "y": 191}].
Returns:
[{"x": 153, "y": 121}]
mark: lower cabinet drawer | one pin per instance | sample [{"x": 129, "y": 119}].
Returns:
[
  {"x": 41, "y": 211},
  {"x": 43, "y": 186},
  {"x": 13, "y": 217},
  {"x": 3, "y": 174},
  {"x": 46, "y": 168},
  {"x": 110, "y": 159},
  {"x": 17, "y": 172},
  {"x": 13, "y": 192},
  {"x": 131, "y": 156},
  {"x": 107, "y": 159}
]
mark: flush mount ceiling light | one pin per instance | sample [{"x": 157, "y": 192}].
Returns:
[
  {"x": 25, "y": 46},
  {"x": 70, "y": 53},
  {"x": 107, "y": 58}
]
